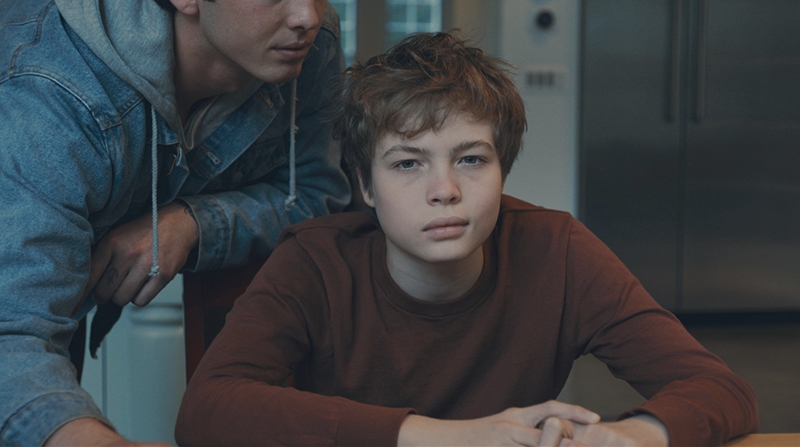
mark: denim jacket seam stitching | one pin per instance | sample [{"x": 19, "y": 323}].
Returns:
[
  {"x": 37, "y": 37},
  {"x": 72, "y": 90}
]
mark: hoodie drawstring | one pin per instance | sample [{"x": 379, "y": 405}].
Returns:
[
  {"x": 154, "y": 187},
  {"x": 108, "y": 313},
  {"x": 292, "y": 132}
]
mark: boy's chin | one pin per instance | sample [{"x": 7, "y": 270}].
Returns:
[{"x": 449, "y": 259}]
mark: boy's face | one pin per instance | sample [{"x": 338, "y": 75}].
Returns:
[
  {"x": 266, "y": 39},
  {"x": 437, "y": 195}
]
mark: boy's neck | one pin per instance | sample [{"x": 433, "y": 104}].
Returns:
[{"x": 434, "y": 282}]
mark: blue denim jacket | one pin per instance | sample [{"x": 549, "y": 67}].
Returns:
[{"x": 75, "y": 162}]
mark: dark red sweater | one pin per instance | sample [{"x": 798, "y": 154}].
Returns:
[{"x": 363, "y": 354}]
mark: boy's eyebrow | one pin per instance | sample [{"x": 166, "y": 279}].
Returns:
[
  {"x": 464, "y": 145},
  {"x": 404, "y": 148}
]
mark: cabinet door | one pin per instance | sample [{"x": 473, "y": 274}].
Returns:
[
  {"x": 629, "y": 142},
  {"x": 742, "y": 219}
]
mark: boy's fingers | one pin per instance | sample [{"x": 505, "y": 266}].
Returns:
[
  {"x": 579, "y": 414},
  {"x": 574, "y": 413},
  {"x": 554, "y": 430}
]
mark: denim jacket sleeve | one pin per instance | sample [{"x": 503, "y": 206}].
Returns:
[
  {"x": 47, "y": 162},
  {"x": 243, "y": 224}
]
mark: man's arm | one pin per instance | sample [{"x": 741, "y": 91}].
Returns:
[
  {"x": 122, "y": 260},
  {"x": 53, "y": 174},
  {"x": 92, "y": 432},
  {"x": 240, "y": 225}
]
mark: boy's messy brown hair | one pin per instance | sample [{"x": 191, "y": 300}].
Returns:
[{"x": 415, "y": 86}]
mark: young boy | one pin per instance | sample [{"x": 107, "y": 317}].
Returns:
[{"x": 452, "y": 314}]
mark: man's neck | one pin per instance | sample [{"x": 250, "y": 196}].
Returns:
[{"x": 200, "y": 70}]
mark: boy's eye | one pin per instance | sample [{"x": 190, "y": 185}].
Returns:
[
  {"x": 471, "y": 160},
  {"x": 406, "y": 164}
]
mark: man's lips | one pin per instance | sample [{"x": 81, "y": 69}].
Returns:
[
  {"x": 294, "y": 46},
  {"x": 294, "y": 51}
]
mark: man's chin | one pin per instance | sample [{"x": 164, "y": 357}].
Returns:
[{"x": 288, "y": 74}]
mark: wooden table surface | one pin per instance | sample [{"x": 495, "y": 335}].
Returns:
[{"x": 766, "y": 440}]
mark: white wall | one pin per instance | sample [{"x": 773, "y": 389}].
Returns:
[
  {"x": 546, "y": 172},
  {"x": 139, "y": 377}
]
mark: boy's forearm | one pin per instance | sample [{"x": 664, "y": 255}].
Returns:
[
  {"x": 420, "y": 430},
  {"x": 413, "y": 430},
  {"x": 640, "y": 430},
  {"x": 649, "y": 429}
]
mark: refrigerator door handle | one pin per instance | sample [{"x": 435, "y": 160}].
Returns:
[
  {"x": 700, "y": 76},
  {"x": 675, "y": 62}
]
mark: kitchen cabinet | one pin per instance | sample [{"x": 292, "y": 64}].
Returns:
[{"x": 689, "y": 147}]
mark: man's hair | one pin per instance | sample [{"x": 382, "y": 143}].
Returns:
[{"x": 415, "y": 86}]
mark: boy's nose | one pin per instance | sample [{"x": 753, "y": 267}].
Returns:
[
  {"x": 443, "y": 189},
  {"x": 305, "y": 14}
]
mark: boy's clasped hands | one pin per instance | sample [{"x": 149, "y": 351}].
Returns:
[{"x": 549, "y": 424}]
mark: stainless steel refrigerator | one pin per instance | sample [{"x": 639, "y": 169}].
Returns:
[{"x": 690, "y": 147}]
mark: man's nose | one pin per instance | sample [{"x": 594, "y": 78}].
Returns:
[{"x": 305, "y": 14}]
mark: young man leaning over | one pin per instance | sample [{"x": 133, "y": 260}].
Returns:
[
  {"x": 452, "y": 314},
  {"x": 140, "y": 139}
]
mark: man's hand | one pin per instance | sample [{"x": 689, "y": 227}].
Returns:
[
  {"x": 537, "y": 425},
  {"x": 91, "y": 432},
  {"x": 122, "y": 259}
]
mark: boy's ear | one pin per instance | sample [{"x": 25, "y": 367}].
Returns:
[
  {"x": 365, "y": 192},
  {"x": 187, "y": 7}
]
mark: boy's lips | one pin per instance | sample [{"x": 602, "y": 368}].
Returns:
[
  {"x": 446, "y": 227},
  {"x": 445, "y": 222}
]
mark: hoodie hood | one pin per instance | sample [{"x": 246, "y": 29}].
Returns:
[{"x": 135, "y": 40}]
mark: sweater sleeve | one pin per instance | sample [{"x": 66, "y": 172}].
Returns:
[
  {"x": 238, "y": 396},
  {"x": 697, "y": 397}
]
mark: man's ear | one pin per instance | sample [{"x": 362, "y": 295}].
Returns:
[
  {"x": 187, "y": 7},
  {"x": 366, "y": 193}
]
